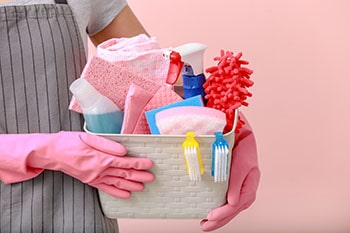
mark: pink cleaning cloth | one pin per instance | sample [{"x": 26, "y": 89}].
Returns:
[
  {"x": 112, "y": 81},
  {"x": 200, "y": 120},
  {"x": 141, "y": 55},
  {"x": 135, "y": 102},
  {"x": 126, "y": 48},
  {"x": 163, "y": 96}
]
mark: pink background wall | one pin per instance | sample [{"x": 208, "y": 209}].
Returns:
[{"x": 299, "y": 51}]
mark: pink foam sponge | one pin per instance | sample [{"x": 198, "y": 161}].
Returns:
[
  {"x": 200, "y": 120},
  {"x": 226, "y": 87}
]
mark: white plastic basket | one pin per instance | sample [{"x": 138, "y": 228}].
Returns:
[{"x": 172, "y": 195}]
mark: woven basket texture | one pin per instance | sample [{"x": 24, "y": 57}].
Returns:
[{"x": 172, "y": 195}]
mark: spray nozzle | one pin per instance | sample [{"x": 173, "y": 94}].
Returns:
[
  {"x": 186, "y": 58},
  {"x": 192, "y": 56}
]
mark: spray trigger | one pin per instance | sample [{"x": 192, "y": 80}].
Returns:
[{"x": 175, "y": 66}]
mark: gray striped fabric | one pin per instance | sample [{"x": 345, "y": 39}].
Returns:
[{"x": 41, "y": 53}]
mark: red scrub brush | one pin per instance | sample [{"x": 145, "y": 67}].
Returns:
[{"x": 226, "y": 87}]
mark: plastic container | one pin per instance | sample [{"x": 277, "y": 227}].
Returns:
[
  {"x": 100, "y": 113},
  {"x": 172, "y": 195}
]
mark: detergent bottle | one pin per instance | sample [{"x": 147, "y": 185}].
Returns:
[
  {"x": 100, "y": 113},
  {"x": 187, "y": 59}
]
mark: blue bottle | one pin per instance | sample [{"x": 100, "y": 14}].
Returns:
[
  {"x": 192, "y": 71},
  {"x": 100, "y": 113},
  {"x": 193, "y": 85}
]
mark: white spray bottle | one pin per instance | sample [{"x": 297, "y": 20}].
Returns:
[{"x": 188, "y": 59}]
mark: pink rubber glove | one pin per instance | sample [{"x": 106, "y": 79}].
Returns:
[
  {"x": 243, "y": 184},
  {"x": 94, "y": 160}
]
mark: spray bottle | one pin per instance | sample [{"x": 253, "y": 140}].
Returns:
[
  {"x": 187, "y": 59},
  {"x": 100, "y": 113}
]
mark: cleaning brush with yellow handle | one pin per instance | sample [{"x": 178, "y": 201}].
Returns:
[{"x": 193, "y": 158}]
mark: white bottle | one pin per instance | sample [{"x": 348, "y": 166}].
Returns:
[{"x": 100, "y": 113}]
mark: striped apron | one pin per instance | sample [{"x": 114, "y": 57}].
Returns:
[{"x": 41, "y": 53}]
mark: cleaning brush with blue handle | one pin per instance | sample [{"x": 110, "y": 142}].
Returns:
[{"x": 219, "y": 162}]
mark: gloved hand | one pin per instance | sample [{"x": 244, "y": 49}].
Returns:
[
  {"x": 94, "y": 160},
  {"x": 243, "y": 183}
]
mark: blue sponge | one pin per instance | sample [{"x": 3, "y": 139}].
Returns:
[{"x": 151, "y": 114}]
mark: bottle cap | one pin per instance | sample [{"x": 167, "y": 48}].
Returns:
[{"x": 84, "y": 92}]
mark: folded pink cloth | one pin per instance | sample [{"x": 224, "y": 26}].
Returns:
[
  {"x": 124, "y": 49},
  {"x": 112, "y": 81},
  {"x": 135, "y": 102},
  {"x": 140, "y": 55},
  {"x": 163, "y": 96}
]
